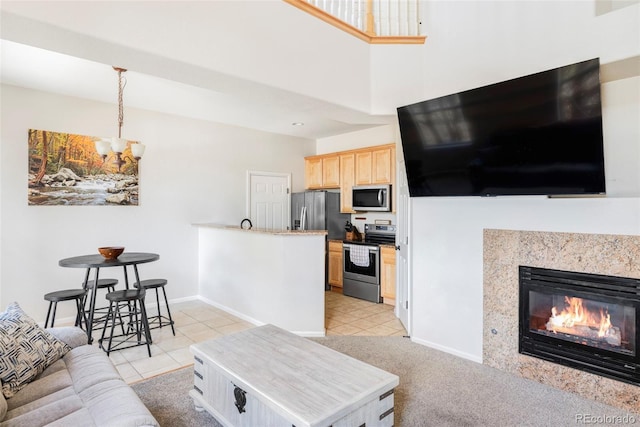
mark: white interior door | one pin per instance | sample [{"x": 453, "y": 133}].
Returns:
[
  {"x": 402, "y": 262},
  {"x": 268, "y": 200},
  {"x": 402, "y": 242}
]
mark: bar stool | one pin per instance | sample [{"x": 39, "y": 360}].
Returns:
[
  {"x": 77, "y": 295},
  {"x": 126, "y": 303},
  {"x": 157, "y": 320},
  {"x": 110, "y": 286}
]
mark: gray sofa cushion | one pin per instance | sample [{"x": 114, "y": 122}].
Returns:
[
  {"x": 49, "y": 410},
  {"x": 71, "y": 336},
  {"x": 81, "y": 389}
]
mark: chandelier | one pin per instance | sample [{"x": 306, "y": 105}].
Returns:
[{"x": 119, "y": 144}]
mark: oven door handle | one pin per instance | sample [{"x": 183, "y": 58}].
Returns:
[{"x": 371, "y": 248}]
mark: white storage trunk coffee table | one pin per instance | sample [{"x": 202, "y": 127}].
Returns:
[{"x": 266, "y": 376}]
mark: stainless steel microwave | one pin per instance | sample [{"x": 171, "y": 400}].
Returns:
[{"x": 371, "y": 198}]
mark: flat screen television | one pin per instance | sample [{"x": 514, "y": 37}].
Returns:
[{"x": 539, "y": 134}]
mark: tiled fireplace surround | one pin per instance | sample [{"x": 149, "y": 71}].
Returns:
[{"x": 504, "y": 251}]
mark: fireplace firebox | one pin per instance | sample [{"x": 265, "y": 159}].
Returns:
[{"x": 585, "y": 321}]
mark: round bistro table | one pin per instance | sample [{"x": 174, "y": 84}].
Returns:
[{"x": 96, "y": 262}]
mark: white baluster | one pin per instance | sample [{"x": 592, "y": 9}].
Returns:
[
  {"x": 394, "y": 17},
  {"x": 382, "y": 28},
  {"x": 403, "y": 17},
  {"x": 349, "y": 8},
  {"x": 412, "y": 18},
  {"x": 391, "y": 17}
]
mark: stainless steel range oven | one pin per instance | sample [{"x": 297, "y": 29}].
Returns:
[{"x": 361, "y": 273}]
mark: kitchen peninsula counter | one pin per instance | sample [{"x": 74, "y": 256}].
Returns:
[
  {"x": 264, "y": 276},
  {"x": 264, "y": 230}
]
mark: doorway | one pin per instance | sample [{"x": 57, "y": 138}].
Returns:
[{"x": 269, "y": 200}]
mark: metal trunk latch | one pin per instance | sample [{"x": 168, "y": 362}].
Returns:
[{"x": 241, "y": 398}]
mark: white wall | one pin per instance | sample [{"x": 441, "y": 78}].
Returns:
[
  {"x": 350, "y": 141},
  {"x": 264, "y": 277},
  {"x": 475, "y": 43},
  {"x": 192, "y": 171},
  {"x": 263, "y": 41}
]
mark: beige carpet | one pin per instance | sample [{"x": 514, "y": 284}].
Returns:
[{"x": 436, "y": 389}]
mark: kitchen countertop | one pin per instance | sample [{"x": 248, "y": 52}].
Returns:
[{"x": 264, "y": 230}]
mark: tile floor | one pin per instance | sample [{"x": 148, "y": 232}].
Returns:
[
  {"x": 196, "y": 321},
  {"x": 353, "y": 316}
]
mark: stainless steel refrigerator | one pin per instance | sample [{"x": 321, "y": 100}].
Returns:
[{"x": 318, "y": 210}]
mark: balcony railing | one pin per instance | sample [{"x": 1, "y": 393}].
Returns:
[{"x": 374, "y": 21}]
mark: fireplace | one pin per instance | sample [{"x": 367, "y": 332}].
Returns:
[{"x": 585, "y": 321}]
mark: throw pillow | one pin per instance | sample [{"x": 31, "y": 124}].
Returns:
[{"x": 26, "y": 349}]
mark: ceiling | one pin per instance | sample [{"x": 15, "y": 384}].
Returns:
[{"x": 206, "y": 94}]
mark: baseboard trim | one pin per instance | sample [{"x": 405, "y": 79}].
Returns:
[
  {"x": 449, "y": 350},
  {"x": 231, "y": 311}
]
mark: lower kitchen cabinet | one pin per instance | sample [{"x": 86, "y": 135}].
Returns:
[
  {"x": 335, "y": 263},
  {"x": 388, "y": 274}
]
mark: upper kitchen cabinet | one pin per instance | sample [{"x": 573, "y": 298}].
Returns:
[
  {"x": 313, "y": 172},
  {"x": 322, "y": 172},
  {"x": 375, "y": 165},
  {"x": 344, "y": 169},
  {"x": 331, "y": 171},
  {"x": 347, "y": 178},
  {"x": 363, "y": 168}
]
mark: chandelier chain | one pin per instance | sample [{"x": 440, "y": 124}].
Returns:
[{"x": 122, "y": 82}]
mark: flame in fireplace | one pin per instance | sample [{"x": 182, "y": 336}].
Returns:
[{"x": 577, "y": 320}]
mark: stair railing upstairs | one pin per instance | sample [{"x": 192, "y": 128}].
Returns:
[{"x": 374, "y": 21}]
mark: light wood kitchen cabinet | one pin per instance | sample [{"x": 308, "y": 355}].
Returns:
[
  {"x": 322, "y": 172},
  {"x": 335, "y": 263},
  {"x": 383, "y": 166},
  {"x": 347, "y": 179},
  {"x": 375, "y": 166},
  {"x": 388, "y": 274},
  {"x": 331, "y": 172},
  {"x": 344, "y": 169},
  {"x": 313, "y": 172},
  {"x": 363, "y": 168}
]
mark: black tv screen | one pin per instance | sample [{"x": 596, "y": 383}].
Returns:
[{"x": 535, "y": 135}]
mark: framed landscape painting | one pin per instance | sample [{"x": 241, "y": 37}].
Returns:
[{"x": 66, "y": 169}]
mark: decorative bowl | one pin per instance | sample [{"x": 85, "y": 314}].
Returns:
[{"x": 111, "y": 252}]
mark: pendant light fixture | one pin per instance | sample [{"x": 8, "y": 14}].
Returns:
[{"x": 119, "y": 144}]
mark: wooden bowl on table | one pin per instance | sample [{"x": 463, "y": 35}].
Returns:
[{"x": 111, "y": 252}]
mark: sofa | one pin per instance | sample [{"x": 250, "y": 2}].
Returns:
[{"x": 80, "y": 388}]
